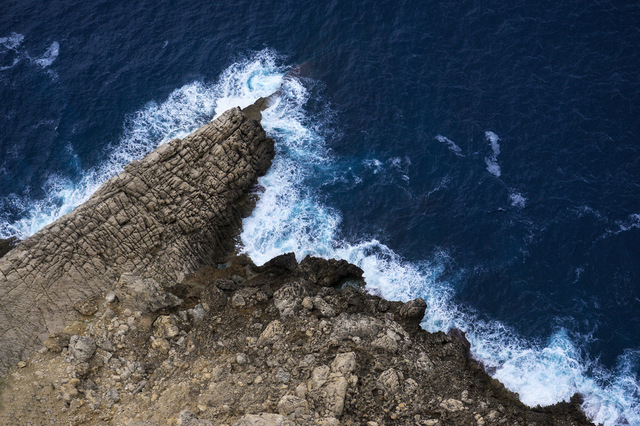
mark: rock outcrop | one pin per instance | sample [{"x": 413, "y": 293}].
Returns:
[
  {"x": 161, "y": 218},
  {"x": 140, "y": 315},
  {"x": 274, "y": 345}
]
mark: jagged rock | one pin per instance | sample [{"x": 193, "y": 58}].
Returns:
[
  {"x": 344, "y": 363},
  {"x": 333, "y": 392},
  {"x": 161, "y": 345},
  {"x": 284, "y": 262},
  {"x": 414, "y": 309},
  {"x": 165, "y": 326},
  {"x": 238, "y": 301},
  {"x": 292, "y": 405},
  {"x": 162, "y": 217},
  {"x": 227, "y": 366},
  {"x": 82, "y": 348},
  {"x": 143, "y": 294},
  {"x": 452, "y": 405},
  {"x": 325, "y": 309},
  {"x": 389, "y": 382},
  {"x": 286, "y": 299},
  {"x": 329, "y": 273},
  {"x": 358, "y": 325},
  {"x": 111, "y": 396},
  {"x": 197, "y": 313},
  {"x": 385, "y": 343},
  {"x": 273, "y": 332}
]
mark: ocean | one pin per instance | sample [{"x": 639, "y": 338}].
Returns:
[{"x": 482, "y": 155}]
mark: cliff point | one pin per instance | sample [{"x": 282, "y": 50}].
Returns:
[{"x": 134, "y": 309}]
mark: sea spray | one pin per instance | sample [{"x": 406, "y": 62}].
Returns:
[{"x": 290, "y": 216}]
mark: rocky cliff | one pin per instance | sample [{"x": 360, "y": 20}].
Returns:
[
  {"x": 162, "y": 217},
  {"x": 140, "y": 314}
]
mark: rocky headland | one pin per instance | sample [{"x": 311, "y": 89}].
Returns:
[{"x": 134, "y": 309}]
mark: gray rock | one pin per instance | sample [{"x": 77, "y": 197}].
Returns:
[
  {"x": 82, "y": 348},
  {"x": 385, "y": 343},
  {"x": 143, "y": 294},
  {"x": 325, "y": 309},
  {"x": 283, "y": 376},
  {"x": 414, "y": 309},
  {"x": 159, "y": 218},
  {"x": 287, "y": 298},
  {"x": 363, "y": 326},
  {"x": 344, "y": 363},
  {"x": 238, "y": 301},
  {"x": 197, "y": 313},
  {"x": 111, "y": 397},
  {"x": 389, "y": 382},
  {"x": 273, "y": 332},
  {"x": 293, "y": 405}
]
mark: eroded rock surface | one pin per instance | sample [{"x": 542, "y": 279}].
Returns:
[
  {"x": 203, "y": 362},
  {"x": 161, "y": 218}
]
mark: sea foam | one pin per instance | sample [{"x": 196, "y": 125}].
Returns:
[{"x": 290, "y": 216}]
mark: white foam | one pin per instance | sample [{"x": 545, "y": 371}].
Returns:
[
  {"x": 184, "y": 110},
  {"x": 492, "y": 162},
  {"x": 374, "y": 164},
  {"x": 628, "y": 224},
  {"x": 517, "y": 200},
  {"x": 290, "y": 217},
  {"x": 452, "y": 145},
  {"x": 12, "y": 41},
  {"x": 48, "y": 57}
]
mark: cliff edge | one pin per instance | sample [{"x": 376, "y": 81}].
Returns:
[
  {"x": 162, "y": 217},
  {"x": 132, "y": 310}
]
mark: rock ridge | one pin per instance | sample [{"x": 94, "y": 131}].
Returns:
[{"x": 162, "y": 217}]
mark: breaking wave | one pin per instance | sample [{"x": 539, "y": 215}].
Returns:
[{"x": 290, "y": 216}]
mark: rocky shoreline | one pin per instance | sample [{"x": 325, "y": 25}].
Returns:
[{"x": 131, "y": 310}]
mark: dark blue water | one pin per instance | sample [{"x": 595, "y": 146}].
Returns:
[{"x": 483, "y": 155}]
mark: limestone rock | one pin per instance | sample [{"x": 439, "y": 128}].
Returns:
[
  {"x": 287, "y": 298},
  {"x": 452, "y": 405},
  {"x": 385, "y": 343},
  {"x": 344, "y": 363},
  {"x": 290, "y": 404},
  {"x": 162, "y": 217},
  {"x": 140, "y": 294},
  {"x": 82, "y": 348},
  {"x": 165, "y": 326},
  {"x": 414, "y": 309},
  {"x": 273, "y": 332},
  {"x": 389, "y": 382}
]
